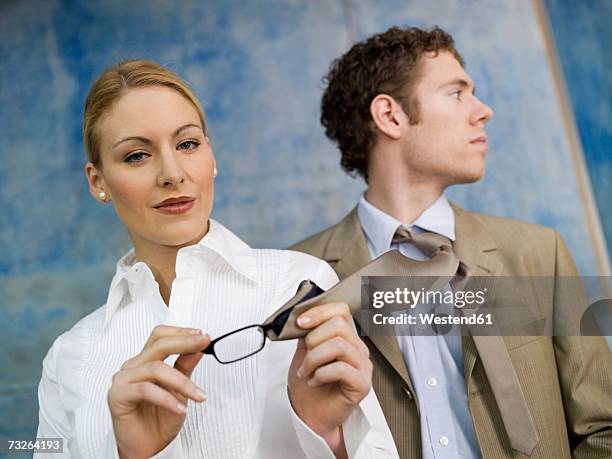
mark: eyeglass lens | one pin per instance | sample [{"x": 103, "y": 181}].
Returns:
[{"x": 240, "y": 344}]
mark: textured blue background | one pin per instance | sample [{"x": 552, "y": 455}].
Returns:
[
  {"x": 583, "y": 38},
  {"x": 257, "y": 67}
]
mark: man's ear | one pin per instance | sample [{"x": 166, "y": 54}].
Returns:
[
  {"x": 95, "y": 179},
  {"x": 388, "y": 116}
]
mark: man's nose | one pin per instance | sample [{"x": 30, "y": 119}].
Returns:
[{"x": 482, "y": 112}]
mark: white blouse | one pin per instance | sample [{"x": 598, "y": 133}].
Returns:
[{"x": 221, "y": 284}]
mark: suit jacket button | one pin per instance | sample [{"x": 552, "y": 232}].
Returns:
[{"x": 408, "y": 393}]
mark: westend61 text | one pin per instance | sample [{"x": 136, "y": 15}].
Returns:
[{"x": 431, "y": 319}]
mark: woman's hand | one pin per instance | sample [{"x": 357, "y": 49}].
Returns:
[
  {"x": 330, "y": 373},
  {"x": 148, "y": 398}
]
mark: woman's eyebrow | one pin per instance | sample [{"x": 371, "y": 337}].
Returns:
[
  {"x": 186, "y": 126},
  {"x": 148, "y": 141},
  {"x": 138, "y": 138}
]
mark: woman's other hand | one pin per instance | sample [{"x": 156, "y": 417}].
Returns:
[
  {"x": 148, "y": 398},
  {"x": 330, "y": 373}
]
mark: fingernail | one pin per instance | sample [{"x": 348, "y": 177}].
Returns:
[
  {"x": 312, "y": 382},
  {"x": 303, "y": 320},
  {"x": 195, "y": 331},
  {"x": 300, "y": 372},
  {"x": 181, "y": 408},
  {"x": 200, "y": 395}
]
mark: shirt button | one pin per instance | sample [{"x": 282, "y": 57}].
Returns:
[
  {"x": 444, "y": 440},
  {"x": 433, "y": 382},
  {"x": 179, "y": 299}
]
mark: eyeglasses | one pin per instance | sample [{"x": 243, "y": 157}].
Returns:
[
  {"x": 238, "y": 344},
  {"x": 247, "y": 341}
]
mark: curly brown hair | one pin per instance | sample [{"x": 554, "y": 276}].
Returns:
[{"x": 386, "y": 63}]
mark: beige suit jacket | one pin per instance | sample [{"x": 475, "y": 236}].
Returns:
[{"x": 567, "y": 381}]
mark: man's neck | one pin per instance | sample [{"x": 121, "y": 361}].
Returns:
[{"x": 403, "y": 201}]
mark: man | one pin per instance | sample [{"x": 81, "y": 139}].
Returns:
[{"x": 405, "y": 117}]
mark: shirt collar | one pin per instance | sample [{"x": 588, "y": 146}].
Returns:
[
  {"x": 219, "y": 245},
  {"x": 380, "y": 227}
]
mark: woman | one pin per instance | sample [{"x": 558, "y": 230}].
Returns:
[{"x": 129, "y": 379}]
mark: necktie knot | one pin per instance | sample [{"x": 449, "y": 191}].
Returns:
[
  {"x": 402, "y": 235},
  {"x": 427, "y": 242}
]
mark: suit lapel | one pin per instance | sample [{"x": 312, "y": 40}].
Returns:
[
  {"x": 474, "y": 245},
  {"x": 347, "y": 249},
  {"x": 347, "y": 252}
]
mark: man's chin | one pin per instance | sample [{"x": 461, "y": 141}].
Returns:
[{"x": 467, "y": 177}]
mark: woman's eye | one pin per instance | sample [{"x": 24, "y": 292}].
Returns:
[
  {"x": 188, "y": 145},
  {"x": 135, "y": 157}
]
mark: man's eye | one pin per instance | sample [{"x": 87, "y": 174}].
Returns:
[
  {"x": 188, "y": 145},
  {"x": 135, "y": 157},
  {"x": 456, "y": 94}
]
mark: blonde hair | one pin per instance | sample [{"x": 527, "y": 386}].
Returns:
[{"x": 114, "y": 82}]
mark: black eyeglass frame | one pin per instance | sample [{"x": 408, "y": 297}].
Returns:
[{"x": 210, "y": 350}]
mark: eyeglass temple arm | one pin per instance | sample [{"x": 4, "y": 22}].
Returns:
[{"x": 210, "y": 349}]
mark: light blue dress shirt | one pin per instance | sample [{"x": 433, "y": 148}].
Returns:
[{"x": 434, "y": 363}]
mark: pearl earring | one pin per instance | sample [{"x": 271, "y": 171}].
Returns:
[
  {"x": 102, "y": 196},
  {"x": 215, "y": 172}
]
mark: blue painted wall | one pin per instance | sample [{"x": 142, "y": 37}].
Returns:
[
  {"x": 257, "y": 67},
  {"x": 583, "y": 38}
]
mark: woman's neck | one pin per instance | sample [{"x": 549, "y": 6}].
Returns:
[
  {"x": 162, "y": 263},
  {"x": 161, "y": 260}
]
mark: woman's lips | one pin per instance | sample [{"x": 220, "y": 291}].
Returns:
[{"x": 176, "y": 208}]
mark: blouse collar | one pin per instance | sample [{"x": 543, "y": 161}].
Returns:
[{"x": 219, "y": 246}]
